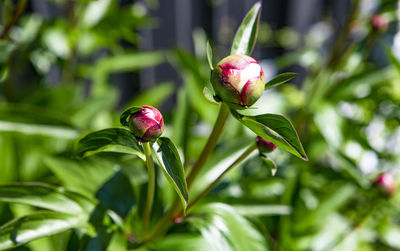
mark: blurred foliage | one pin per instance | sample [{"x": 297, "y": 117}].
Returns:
[{"x": 55, "y": 85}]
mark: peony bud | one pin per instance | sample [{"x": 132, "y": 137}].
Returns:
[
  {"x": 379, "y": 23},
  {"x": 264, "y": 146},
  {"x": 238, "y": 80},
  {"x": 146, "y": 124},
  {"x": 386, "y": 183}
]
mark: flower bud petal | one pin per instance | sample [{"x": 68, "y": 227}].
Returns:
[
  {"x": 264, "y": 146},
  {"x": 146, "y": 124},
  {"x": 238, "y": 80},
  {"x": 386, "y": 183},
  {"x": 379, "y": 23}
]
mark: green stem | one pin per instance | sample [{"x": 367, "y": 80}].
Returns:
[
  {"x": 17, "y": 12},
  {"x": 341, "y": 43},
  {"x": 151, "y": 184},
  {"x": 210, "y": 145},
  {"x": 338, "y": 55},
  {"x": 242, "y": 157},
  {"x": 164, "y": 222},
  {"x": 357, "y": 224}
]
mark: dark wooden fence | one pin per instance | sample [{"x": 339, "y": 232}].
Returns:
[{"x": 219, "y": 19}]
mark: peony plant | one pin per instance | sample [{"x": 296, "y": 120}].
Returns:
[{"x": 236, "y": 83}]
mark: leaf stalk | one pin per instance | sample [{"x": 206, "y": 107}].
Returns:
[{"x": 151, "y": 184}]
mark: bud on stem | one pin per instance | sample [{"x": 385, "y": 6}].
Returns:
[
  {"x": 386, "y": 183},
  {"x": 264, "y": 146},
  {"x": 379, "y": 23},
  {"x": 238, "y": 80},
  {"x": 146, "y": 124}
]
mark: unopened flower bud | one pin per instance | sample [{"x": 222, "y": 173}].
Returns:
[
  {"x": 146, "y": 124},
  {"x": 386, "y": 183},
  {"x": 264, "y": 146},
  {"x": 238, "y": 80},
  {"x": 379, "y": 23}
]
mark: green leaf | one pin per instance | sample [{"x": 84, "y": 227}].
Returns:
[
  {"x": 348, "y": 88},
  {"x": 45, "y": 196},
  {"x": 181, "y": 124},
  {"x": 183, "y": 242},
  {"x": 246, "y": 35},
  {"x": 277, "y": 129},
  {"x": 270, "y": 165},
  {"x": 38, "y": 225},
  {"x": 332, "y": 202},
  {"x": 390, "y": 54},
  {"x": 225, "y": 229},
  {"x": 32, "y": 120},
  {"x": 260, "y": 210},
  {"x": 209, "y": 95},
  {"x": 168, "y": 157},
  {"x": 117, "y": 194},
  {"x": 154, "y": 96},
  {"x": 109, "y": 140},
  {"x": 85, "y": 176},
  {"x": 330, "y": 124},
  {"x": 124, "y": 62},
  {"x": 210, "y": 56},
  {"x": 219, "y": 160},
  {"x": 280, "y": 79},
  {"x": 123, "y": 119},
  {"x": 191, "y": 64},
  {"x": 89, "y": 112},
  {"x": 195, "y": 77},
  {"x": 8, "y": 158},
  {"x": 6, "y": 49}
]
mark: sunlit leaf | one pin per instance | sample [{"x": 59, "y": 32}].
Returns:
[
  {"x": 190, "y": 64},
  {"x": 129, "y": 61},
  {"x": 154, "y": 96},
  {"x": 117, "y": 194},
  {"x": 330, "y": 204},
  {"x": 270, "y": 165},
  {"x": 209, "y": 95},
  {"x": 393, "y": 59},
  {"x": 277, "y": 129},
  {"x": 181, "y": 120},
  {"x": 125, "y": 62},
  {"x": 330, "y": 124},
  {"x": 280, "y": 79},
  {"x": 350, "y": 87},
  {"x": 45, "y": 196},
  {"x": 8, "y": 159},
  {"x": 35, "y": 121},
  {"x": 169, "y": 159},
  {"x": 6, "y": 48},
  {"x": 210, "y": 56},
  {"x": 94, "y": 11},
  {"x": 109, "y": 140},
  {"x": 246, "y": 35},
  {"x": 183, "y": 242},
  {"x": 258, "y": 210},
  {"x": 85, "y": 176},
  {"x": 32, "y": 129},
  {"x": 225, "y": 229},
  {"x": 38, "y": 225},
  {"x": 195, "y": 80}
]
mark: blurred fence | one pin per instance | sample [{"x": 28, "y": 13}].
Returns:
[{"x": 178, "y": 19}]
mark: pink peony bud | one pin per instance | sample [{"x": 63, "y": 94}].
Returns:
[
  {"x": 147, "y": 124},
  {"x": 238, "y": 80},
  {"x": 386, "y": 183},
  {"x": 264, "y": 146},
  {"x": 379, "y": 22}
]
